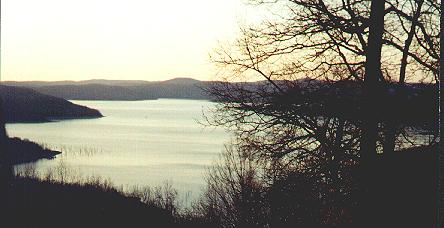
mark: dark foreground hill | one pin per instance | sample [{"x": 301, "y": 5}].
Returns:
[
  {"x": 26, "y": 105},
  {"x": 32, "y": 203}
]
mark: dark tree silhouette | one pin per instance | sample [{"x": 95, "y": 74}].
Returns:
[
  {"x": 320, "y": 36},
  {"x": 335, "y": 90},
  {"x": 235, "y": 194},
  {"x": 328, "y": 40},
  {"x": 372, "y": 78}
]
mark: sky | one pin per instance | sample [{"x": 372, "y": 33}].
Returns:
[{"x": 52, "y": 40}]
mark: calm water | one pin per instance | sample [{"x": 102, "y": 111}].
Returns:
[{"x": 136, "y": 143}]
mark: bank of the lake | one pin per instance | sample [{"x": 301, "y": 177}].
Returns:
[{"x": 19, "y": 151}]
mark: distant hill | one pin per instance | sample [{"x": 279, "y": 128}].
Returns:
[
  {"x": 26, "y": 105},
  {"x": 91, "y": 92},
  {"x": 182, "y": 81},
  {"x": 99, "y": 89},
  {"x": 341, "y": 98}
]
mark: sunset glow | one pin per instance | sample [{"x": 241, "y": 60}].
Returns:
[{"x": 131, "y": 39}]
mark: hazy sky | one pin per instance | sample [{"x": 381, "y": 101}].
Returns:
[{"x": 115, "y": 39}]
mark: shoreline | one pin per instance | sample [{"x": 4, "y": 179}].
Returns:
[{"x": 20, "y": 151}]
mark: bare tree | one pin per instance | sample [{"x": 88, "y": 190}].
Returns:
[
  {"x": 329, "y": 40},
  {"x": 313, "y": 38},
  {"x": 235, "y": 194},
  {"x": 355, "y": 52}
]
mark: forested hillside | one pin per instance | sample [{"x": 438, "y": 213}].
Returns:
[{"x": 27, "y": 105}]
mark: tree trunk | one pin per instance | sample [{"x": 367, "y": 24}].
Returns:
[
  {"x": 372, "y": 79},
  {"x": 408, "y": 42}
]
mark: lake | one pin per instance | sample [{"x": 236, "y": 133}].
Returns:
[{"x": 136, "y": 143}]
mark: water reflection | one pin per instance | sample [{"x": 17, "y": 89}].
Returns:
[{"x": 136, "y": 143}]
